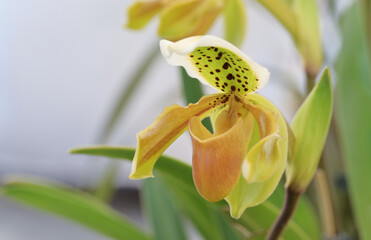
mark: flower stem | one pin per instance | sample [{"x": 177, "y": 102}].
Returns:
[{"x": 291, "y": 201}]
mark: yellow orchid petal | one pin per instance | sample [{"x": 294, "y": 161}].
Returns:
[
  {"x": 246, "y": 194},
  {"x": 217, "y": 158},
  {"x": 154, "y": 140},
  {"x": 216, "y": 62},
  {"x": 187, "y": 18},
  {"x": 263, "y": 158},
  {"x": 141, "y": 12}
]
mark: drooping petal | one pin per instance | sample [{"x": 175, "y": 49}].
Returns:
[
  {"x": 216, "y": 62},
  {"x": 246, "y": 194},
  {"x": 141, "y": 12},
  {"x": 154, "y": 140},
  {"x": 188, "y": 18},
  {"x": 264, "y": 157},
  {"x": 217, "y": 158}
]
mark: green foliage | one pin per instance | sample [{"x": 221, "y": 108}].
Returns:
[
  {"x": 310, "y": 127},
  {"x": 178, "y": 177},
  {"x": 74, "y": 205},
  {"x": 161, "y": 211},
  {"x": 192, "y": 93},
  {"x": 235, "y": 21},
  {"x": 206, "y": 216},
  {"x": 304, "y": 225},
  {"x": 353, "y": 97}
]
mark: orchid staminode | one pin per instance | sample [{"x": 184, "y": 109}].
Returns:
[{"x": 244, "y": 159}]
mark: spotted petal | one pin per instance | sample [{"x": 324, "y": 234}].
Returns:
[
  {"x": 216, "y": 62},
  {"x": 217, "y": 158},
  {"x": 154, "y": 140}
]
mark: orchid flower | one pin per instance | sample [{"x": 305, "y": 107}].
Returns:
[
  {"x": 245, "y": 157},
  {"x": 178, "y": 18}
]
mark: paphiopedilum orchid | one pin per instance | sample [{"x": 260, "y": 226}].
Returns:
[
  {"x": 245, "y": 157},
  {"x": 178, "y": 18}
]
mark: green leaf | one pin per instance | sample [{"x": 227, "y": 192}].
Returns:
[
  {"x": 310, "y": 127},
  {"x": 353, "y": 114},
  {"x": 180, "y": 172},
  {"x": 206, "y": 216},
  {"x": 74, "y": 205},
  {"x": 366, "y": 5},
  {"x": 178, "y": 176},
  {"x": 304, "y": 225},
  {"x": 161, "y": 211},
  {"x": 192, "y": 93},
  {"x": 235, "y": 21}
]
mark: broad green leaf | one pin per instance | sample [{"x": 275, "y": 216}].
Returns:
[
  {"x": 161, "y": 211},
  {"x": 206, "y": 216},
  {"x": 192, "y": 93},
  {"x": 235, "y": 21},
  {"x": 304, "y": 225},
  {"x": 74, "y": 205},
  {"x": 353, "y": 114},
  {"x": 180, "y": 172},
  {"x": 367, "y": 15},
  {"x": 310, "y": 127},
  {"x": 191, "y": 87},
  {"x": 178, "y": 176}
]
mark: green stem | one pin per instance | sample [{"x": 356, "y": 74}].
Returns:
[{"x": 291, "y": 202}]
